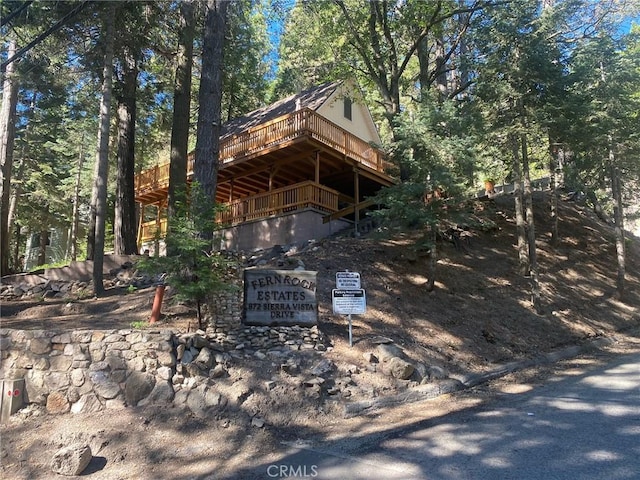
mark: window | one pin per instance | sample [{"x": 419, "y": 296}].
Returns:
[{"x": 347, "y": 108}]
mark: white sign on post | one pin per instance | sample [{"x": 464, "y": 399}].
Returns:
[
  {"x": 349, "y": 302},
  {"x": 348, "y": 298},
  {"x": 347, "y": 280}
]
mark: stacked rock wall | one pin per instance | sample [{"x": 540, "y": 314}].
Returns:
[
  {"x": 225, "y": 328},
  {"x": 88, "y": 371},
  {"x": 85, "y": 371}
]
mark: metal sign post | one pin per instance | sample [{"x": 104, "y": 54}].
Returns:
[{"x": 348, "y": 298}]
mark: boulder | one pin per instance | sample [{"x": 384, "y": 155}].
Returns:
[
  {"x": 71, "y": 460},
  {"x": 205, "y": 358},
  {"x": 138, "y": 386},
  {"x": 323, "y": 367},
  {"x": 87, "y": 404},
  {"x": 386, "y": 352},
  {"x": 399, "y": 368},
  {"x": 162, "y": 394},
  {"x": 57, "y": 403}
]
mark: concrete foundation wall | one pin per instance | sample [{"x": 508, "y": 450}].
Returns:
[{"x": 297, "y": 227}]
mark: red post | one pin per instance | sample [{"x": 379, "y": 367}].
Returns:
[{"x": 157, "y": 304}]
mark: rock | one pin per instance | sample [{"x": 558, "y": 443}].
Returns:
[
  {"x": 166, "y": 359},
  {"x": 311, "y": 382},
  {"x": 103, "y": 385},
  {"x": 399, "y": 368},
  {"x": 199, "y": 342},
  {"x": 162, "y": 394},
  {"x": 180, "y": 349},
  {"x": 71, "y": 460},
  {"x": 381, "y": 340},
  {"x": 40, "y": 346},
  {"x": 217, "y": 372},
  {"x": 351, "y": 369},
  {"x": 369, "y": 357},
  {"x": 77, "y": 377},
  {"x": 56, "y": 380},
  {"x": 164, "y": 373},
  {"x": 333, "y": 390},
  {"x": 202, "y": 398},
  {"x": 257, "y": 422},
  {"x": 386, "y": 352},
  {"x": 138, "y": 386},
  {"x": 323, "y": 367},
  {"x": 187, "y": 357},
  {"x": 437, "y": 373},
  {"x": 57, "y": 403},
  {"x": 205, "y": 358},
  {"x": 290, "y": 368},
  {"x": 87, "y": 404}
]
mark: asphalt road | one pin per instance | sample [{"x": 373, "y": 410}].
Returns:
[{"x": 579, "y": 426}]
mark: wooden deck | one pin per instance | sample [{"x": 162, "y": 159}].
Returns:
[
  {"x": 277, "y": 202},
  {"x": 152, "y": 184}
]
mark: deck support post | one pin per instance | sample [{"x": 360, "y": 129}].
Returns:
[
  {"x": 356, "y": 194},
  {"x": 140, "y": 221}
]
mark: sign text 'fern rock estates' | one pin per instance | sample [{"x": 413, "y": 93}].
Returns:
[{"x": 280, "y": 297}]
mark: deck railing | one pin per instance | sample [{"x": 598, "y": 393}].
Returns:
[
  {"x": 149, "y": 231},
  {"x": 282, "y": 129},
  {"x": 277, "y": 202}
]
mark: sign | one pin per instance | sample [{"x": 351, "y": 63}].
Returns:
[
  {"x": 347, "y": 280},
  {"x": 349, "y": 301},
  {"x": 280, "y": 297}
]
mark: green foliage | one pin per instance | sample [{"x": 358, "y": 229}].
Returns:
[{"x": 192, "y": 267}]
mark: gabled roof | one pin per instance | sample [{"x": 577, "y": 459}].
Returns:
[{"x": 312, "y": 98}]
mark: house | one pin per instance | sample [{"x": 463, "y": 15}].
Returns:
[{"x": 299, "y": 169}]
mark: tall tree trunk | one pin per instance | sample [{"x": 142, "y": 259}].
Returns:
[
  {"x": 618, "y": 218},
  {"x": 76, "y": 204},
  {"x": 18, "y": 265},
  {"x": 423, "y": 53},
  {"x": 210, "y": 98},
  {"x": 101, "y": 171},
  {"x": 44, "y": 237},
  {"x": 125, "y": 225},
  {"x": 521, "y": 230},
  {"x": 181, "y": 109},
  {"x": 7, "y": 138},
  {"x": 433, "y": 257},
  {"x": 42, "y": 248},
  {"x": 441, "y": 69},
  {"x": 15, "y": 194},
  {"x": 531, "y": 230},
  {"x": 554, "y": 152}
]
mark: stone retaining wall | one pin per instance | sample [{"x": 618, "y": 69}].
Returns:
[{"x": 88, "y": 371}]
